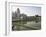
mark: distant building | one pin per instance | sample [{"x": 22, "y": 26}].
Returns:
[
  {"x": 18, "y": 13},
  {"x": 17, "y": 16}
]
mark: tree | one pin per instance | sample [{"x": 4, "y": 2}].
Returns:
[
  {"x": 36, "y": 18},
  {"x": 36, "y": 15}
]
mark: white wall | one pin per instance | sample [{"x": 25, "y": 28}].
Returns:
[{"x": 26, "y": 33}]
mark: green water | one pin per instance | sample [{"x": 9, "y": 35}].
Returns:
[{"x": 26, "y": 25}]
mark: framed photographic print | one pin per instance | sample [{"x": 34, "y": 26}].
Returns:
[{"x": 23, "y": 16}]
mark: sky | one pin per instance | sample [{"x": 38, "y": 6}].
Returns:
[{"x": 28, "y": 10}]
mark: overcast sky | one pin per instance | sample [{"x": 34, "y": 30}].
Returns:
[{"x": 28, "y": 10}]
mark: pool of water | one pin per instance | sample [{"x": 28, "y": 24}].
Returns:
[{"x": 30, "y": 25}]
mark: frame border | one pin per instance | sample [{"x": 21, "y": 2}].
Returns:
[{"x": 9, "y": 13}]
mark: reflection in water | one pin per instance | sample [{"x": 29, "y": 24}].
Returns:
[{"x": 26, "y": 25}]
